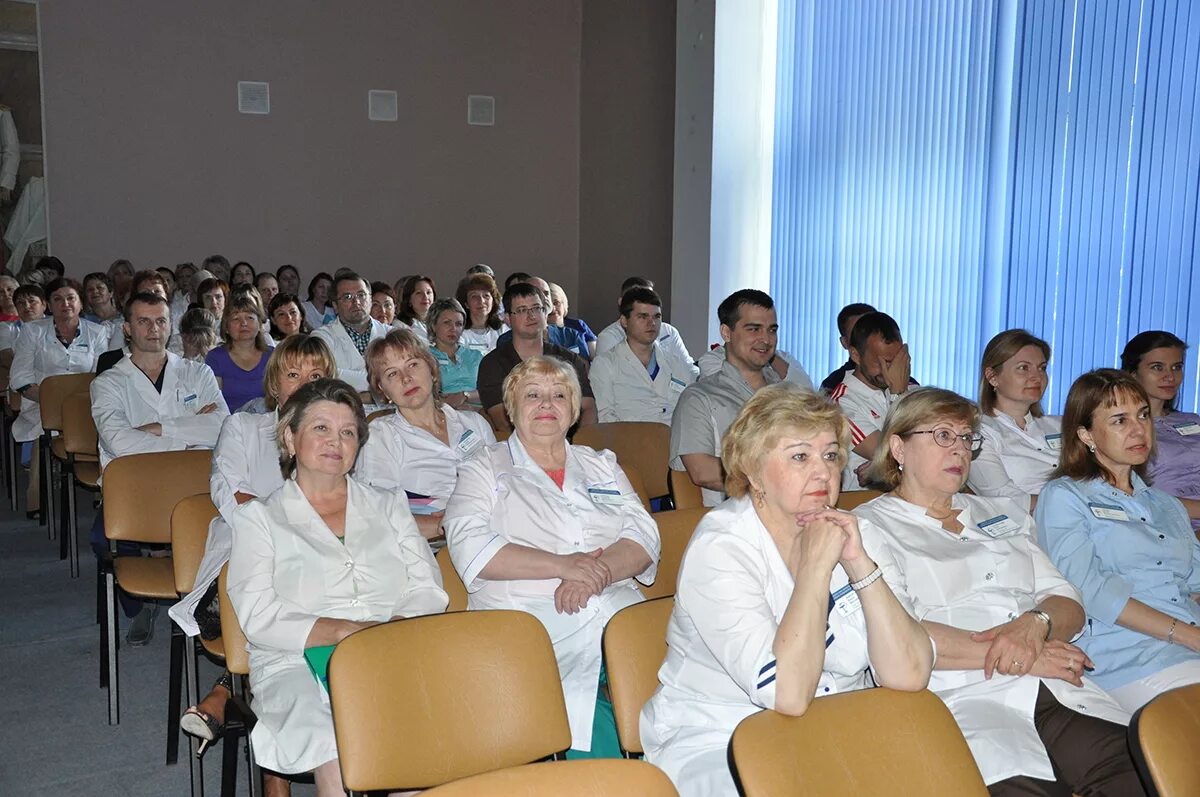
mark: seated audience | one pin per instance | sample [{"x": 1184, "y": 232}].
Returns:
[
  {"x": 784, "y": 364},
  {"x": 143, "y": 282},
  {"x": 185, "y": 285},
  {"x": 418, "y": 448},
  {"x": 1128, "y": 547},
  {"x": 218, "y": 266},
  {"x": 1001, "y": 615},
  {"x": 459, "y": 365},
  {"x": 561, "y": 336},
  {"x": 289, "y": 279},
  {"x": 881, "y": 374},
  {"x": 707, "y": 408},
  {"x": 557, "y": 317},
  {"x": 213, "y": 294},
  {"x": 352, "y": 331},
  {"x": 30, "y": 303},
  {"x": 415, "y": 300},
  {"x": 120, "y": 273},
  {"x": 478, "y": 294},
  {"x": 669, "y": 337},
  {"x": 267, "y": 286},
  {"x": 8, "y": 310},
  {"x": 101, "y": 309},
  {"x": 1155, "y": 359},
  {"x": 319, "y": 521},
  {"x": 526, "y": 311},
  {"x": 61, "y": 344},
  {"x": 383, "y": 303},
  {"x": 318, "y": 310},
  {"x": 240, "y": 363},
  {"x": 556, "y": 530},
  {"x": 151, "y": 400},
  {"x": 751, "y": 605},
  {"x": 287, "y": 316},
  {"x": 168, "y": 275},
  {"x": 245, "y": 466},
  {"x": 1021, "y": 444},
  {"x": 640, "y": 380},
  {"x": 241, "y": 274},
  {"x": 200, "y": 333},
  {"x": 481, "y": 268},
  {"x": 847, "y": 317}
]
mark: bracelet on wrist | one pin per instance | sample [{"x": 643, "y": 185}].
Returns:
[
  {"x": 1044, "y": 617},
  {"x": 870, "y": 579},
  {"x": 1171, "y": 631}
]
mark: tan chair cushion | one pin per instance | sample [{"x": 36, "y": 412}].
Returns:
[
  {"x": 644, "y": 447},
  {"x": 874, "y": 741},
  {"x": 594, "y": 778},
  {"x": 189, "y": 534},
  {"x": 451, "y": 582},
  {"x": 53, "y": 391},
  {"x": 675, "y": 529},
  {"x": 856, "y": 498},
  {"x": 215, "y": 647},
  {"x": 88, "y": 473},
  {"x": 635, "y": 644},
  {"x": 79, "y": 428},
  {"x": 1163, "y": 735},
  {"x": 684, "y": 494},
  {"x": 146, "y": 576},
  {"x": 237, "y": 659},
  {"x": 141, "y": 491},
  {"x": 473, "y": 692},
  {"x": 635, "y": 479}
]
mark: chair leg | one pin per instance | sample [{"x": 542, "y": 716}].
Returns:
[
  {"x": 72, "y": 528},
  {"x": 174, "y": 693},
  {"x": 114, "y": 680},
  {"x": 61, "y": 502},
  {"x": 14, "y": 460},
  {"x": 191, "y": 682},
  {"x": 102, "y": 620},
  {"x": 44, "y": 491}
]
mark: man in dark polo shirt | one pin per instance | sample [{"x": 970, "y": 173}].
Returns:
[{"x": 527, "y": 318}]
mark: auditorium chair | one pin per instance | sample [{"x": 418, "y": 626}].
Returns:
[
  {"x": 1161, "y": 735},
  {"x": 644, "y": 447},
  {"x": 595, "y": 778},
  {"x": 675, "y": 529},
  {"x": 635, "y": 644},
  {"x": 81, "y": 465}
]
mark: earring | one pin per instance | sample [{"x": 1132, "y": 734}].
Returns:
[
  {"x": 1092, "y": 449},
  {"x": 900, "y": 467},
  {"x": 760, "y": 497}
]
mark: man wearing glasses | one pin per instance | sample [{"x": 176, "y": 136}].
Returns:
[
  {"x": 526, "y": 309},
  {"x": 881, "y": 374},
  {"x": 353, "y": 331}
]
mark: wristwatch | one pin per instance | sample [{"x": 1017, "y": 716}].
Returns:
[{"x": 1044, "y": 617}]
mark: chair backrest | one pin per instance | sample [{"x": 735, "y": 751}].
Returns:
[
  {"x": 635, "y": 644},
  {"x": 53, "y": 391},
  {"x": 638, "y": 487},
  {"x": 1161, "y": 736},
  {"x": 873, "y": 741},
  {"x": 472, "y": 691},
  {"x": 237, "y": 658},
  {"x": 383, "y": 413},
  {"x": 675, "y": 530},
  {"x": 78, "y": 426},
  {"x": 451, "y": 582},
  {"x": 601, "y": 777},
  {"x": 849, "y": 500},
  {"x": 684, "y": 494},
  {"x": 141, "y": 491},
  {"x": 189, "y": 534},
  {"x": 644, "y": 447}
]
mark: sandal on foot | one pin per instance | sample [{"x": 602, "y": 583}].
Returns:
[{"x": 199, "y": 725}]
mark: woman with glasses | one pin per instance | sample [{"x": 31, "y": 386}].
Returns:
[
  {"x": 1128, "y": 547},
  {"x": 1000, "y": 614},
  {"x": 1021, "y": 444}
]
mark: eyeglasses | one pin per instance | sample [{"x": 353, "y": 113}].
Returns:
[
  {"x": 536, "y": 309},
  {"x": 361, "y": 296},
  {"x": 973, "y": 441}
]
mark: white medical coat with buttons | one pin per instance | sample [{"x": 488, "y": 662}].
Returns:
[
  {"x": 38, "y": 354},
  {"x": 625, "y": 391},
  {"x": 352, "y": 368},
  {"x": 504, "y": 497},
  {"x": 288, "y": 570},
  {"x": 123, "y": 398}
]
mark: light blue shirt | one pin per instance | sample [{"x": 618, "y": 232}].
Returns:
[
  {"x": 1114, "y": 547},
  {"x": 461, "y": 376}
]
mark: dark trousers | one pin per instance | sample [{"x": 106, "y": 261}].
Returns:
[
  {"x": 130, "y": 606},
  {"x": 1090, "y": 756}
]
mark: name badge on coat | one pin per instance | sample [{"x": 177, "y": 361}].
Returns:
[
  {"x": 846, "y": 601},
  {"x": 190, "y": 400},
  {"x": 999, "y": 526},
  {"x": 677, "y": 385},
  {"x": 605, "y": 495},
  {"x": 469, "y": 442},
  {"x": 1054, "y": 442},
  {"x": 1108, "y": 511},
  {"x": 1187, "y": 429}
]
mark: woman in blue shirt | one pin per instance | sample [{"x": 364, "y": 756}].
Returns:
[
  {"x": 1128, "y": 547},
  {"x": 459, "y": 365}
]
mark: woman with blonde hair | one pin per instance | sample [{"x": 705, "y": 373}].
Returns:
[
  {"x": 780, "y": 599},
  {"x": 556, "y": 530},
  {"x": 1000, "y": 612},
  {"x": 240, "y": 362},
  {"x": 1021, "y": 444}
]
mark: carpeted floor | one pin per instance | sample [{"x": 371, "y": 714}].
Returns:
[{"x": 56, "y": 739}]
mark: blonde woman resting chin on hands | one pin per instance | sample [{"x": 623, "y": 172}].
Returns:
[{"x": 780, "y": 599}]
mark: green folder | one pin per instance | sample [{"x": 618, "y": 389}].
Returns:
[{"x": 318, "y": 662}]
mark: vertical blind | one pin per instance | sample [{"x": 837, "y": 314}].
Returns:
[{"x": 900, "y": 124}]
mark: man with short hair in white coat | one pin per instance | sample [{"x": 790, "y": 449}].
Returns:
[
  {"x": 152, "y": 400},
  {"x": 352, "y": 331},
  {"x": 613, "y": 334},
  {"x": 639, "y": 379}
]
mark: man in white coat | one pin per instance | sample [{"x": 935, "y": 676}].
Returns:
[
  {"x": 613, "y": 334},
  {"x": 352, "y": 331},
  {"x": 152, "y": 400},
  {"x": 639, "y": 379}
]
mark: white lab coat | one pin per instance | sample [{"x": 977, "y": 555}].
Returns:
[
  {"x": 352, "y": 368},
  {"x": 37, "y": 354},
  {"x": 1016, "y": 463},
  {"x": 287, "y": 571},
  {"x": 400, "y": 456},
  {"x": 315, "y": 317},
  {"x": 482, "y": 340},
  {"x": 734, "y": 588},
  {"x": 503, "y": 496},
  {"x": 624, "y": 390},
  {"x": 974, "y": 581},
  {"x": 123, "y": 398},
  {"x": 245, "y": 460}
]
